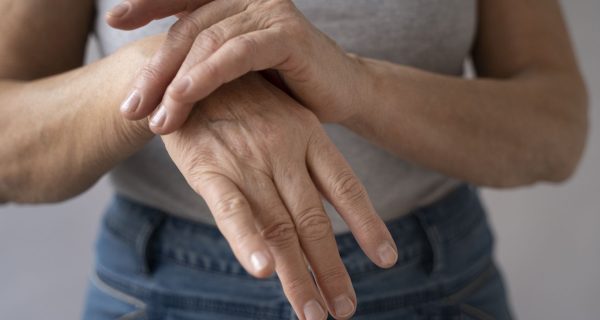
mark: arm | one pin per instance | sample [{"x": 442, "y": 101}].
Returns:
[
  {"x": 58, "y": 132},
  {"x": 523, "y": 121}
]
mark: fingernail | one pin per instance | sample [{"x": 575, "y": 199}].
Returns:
[
  {"x": 313, "y": 311},
  {"x": 343, "y": 306},
  {"x": 259, "y": 261},
  {"x": 387, "y": 254},
  {"x": 181, "y": 85},
  {"x": 120, "y": 10},
  {"x": 131, "y": 103},
  {"x": 158, "y": 119}
]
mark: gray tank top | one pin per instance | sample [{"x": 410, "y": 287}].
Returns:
[{"x": 434, "y": 35}]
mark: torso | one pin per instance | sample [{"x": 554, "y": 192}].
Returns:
[{"x": 435, "y": 35}]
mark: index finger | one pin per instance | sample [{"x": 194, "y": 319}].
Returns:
[{"x": 132, "y": 14}]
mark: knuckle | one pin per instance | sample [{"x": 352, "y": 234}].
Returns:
[
  {"x": 279, "y": 233},
  {"x": 229, "y": 206},
  {"x": 313, "y": 224},
  {"x": 210, "y": 39},
  {"x": 371, "y": 225},
  {"x": 150, "y": 73},
  {"x": 347, "y": 188},
  {"x": 245, "y": 45},
  {"x": 335, "y": 274},
  {"x": 296, "y": 27},
  {"x": 298, "y": 284},
  {"x": 308, "y": 118},
  {"x": 281, "y": 10},
  {"x": 184, "y": 30},
  {"x": 210, "y": 71}
]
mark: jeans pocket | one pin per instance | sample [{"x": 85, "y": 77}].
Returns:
[
  {"x": 104, "y": 302},
  {"x": 482, "y": 298}
]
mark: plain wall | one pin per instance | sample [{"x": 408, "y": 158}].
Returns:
[{"x": 548, "y": 236}]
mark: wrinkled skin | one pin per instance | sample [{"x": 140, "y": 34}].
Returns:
[{"x": 253, "y": 153}]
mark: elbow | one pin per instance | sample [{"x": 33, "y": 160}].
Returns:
[
  {"x": 563, "y": 146},
  {"x": 551, "y": 166},
  {"x": 552, "y": 155},
  {"x": 562, "y": 171},
  {"x": 565, "y": 161},
  {"x": 569, "y": 142},
  {"x": 559, "y": 144}
]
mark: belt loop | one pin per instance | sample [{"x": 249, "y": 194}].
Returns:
[
  {"x": 153, "y": 220},
  {"x": 433, "y": 238}
]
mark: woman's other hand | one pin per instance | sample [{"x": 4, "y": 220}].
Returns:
[
  {"x": 261, "y": 162},
  {"x": 217, "y": 41}
]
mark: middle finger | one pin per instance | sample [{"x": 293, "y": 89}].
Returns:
[
  {"x": 317, "y": 239},
  {"x": 277, "y": 228}
]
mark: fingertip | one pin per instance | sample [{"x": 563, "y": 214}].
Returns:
[
  {"x": 262, "y": 264},
  {"x": 130, "y": 105},
  {"x": 387, "y": 254},
  {"x": 118, "y": 12},
  {"x": 158, "y": 119}
]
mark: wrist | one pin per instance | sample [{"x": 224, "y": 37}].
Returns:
[{"x": 363, "y": 94}]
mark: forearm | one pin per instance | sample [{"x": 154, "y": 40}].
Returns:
[
  {"x": 500, "y": 133},
  {"x": 60, "y": 134}
]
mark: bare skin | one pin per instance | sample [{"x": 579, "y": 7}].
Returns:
[
  {"x": 252, "y": 161},
  {"x": 524, "y": 120},
  {"x": 524, "y": 58},
  {"x": 259, "y": 159}
]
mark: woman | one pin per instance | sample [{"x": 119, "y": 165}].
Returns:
[{"x": 390, "y": 94}]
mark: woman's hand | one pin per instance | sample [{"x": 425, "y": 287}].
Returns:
[
  {"x": 253, "y": 153},
  {"x": 221, "y": 40}
]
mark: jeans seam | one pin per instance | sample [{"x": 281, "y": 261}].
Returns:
[
  {"x": 117, "y": 294},
  {"x": 136, "y": 314},
  {"x": 474, "y": 312},
  {"x": 189, "y": 303}
]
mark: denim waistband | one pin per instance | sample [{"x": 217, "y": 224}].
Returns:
[{"x": 151, "y": 231}]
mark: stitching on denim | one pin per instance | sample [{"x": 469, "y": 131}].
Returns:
[
  {"x": 359, "y": 275},
  {"x": 137, "y": 314},
  {"x": 366, "y": 267},
  {"x": 177, "y": 301},
  {"x": 196, "y": 262},
  {"x": 116, "y": 293},
  {"x": 245, "y": 310},
  {"x": 121, "y": 283},
  {"x": 428, "y": 294}
]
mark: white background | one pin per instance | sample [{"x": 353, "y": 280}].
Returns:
[{"x": 548, "y": 236}]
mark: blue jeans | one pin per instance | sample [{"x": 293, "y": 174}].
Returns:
[{"x": 151, "y": 265}]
